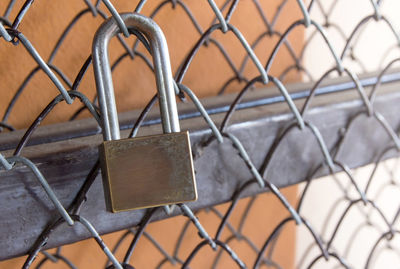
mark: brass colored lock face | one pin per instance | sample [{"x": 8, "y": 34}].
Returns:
[{"x": 147, "y": 171}]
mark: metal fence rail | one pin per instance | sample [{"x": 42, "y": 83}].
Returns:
[{"x": 244, "y": 144}]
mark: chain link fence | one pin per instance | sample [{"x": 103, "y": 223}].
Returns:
[{"x": 325, "y": 45}]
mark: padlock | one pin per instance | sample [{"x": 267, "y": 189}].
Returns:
[{"x": 149, "y": 171}]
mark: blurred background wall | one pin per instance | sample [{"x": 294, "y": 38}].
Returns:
[
  {"x": 374, "y": 47},
  {"x": 134, "y": 84}
]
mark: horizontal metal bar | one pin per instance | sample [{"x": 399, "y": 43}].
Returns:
[
  {"x": 25, "y": 210},
  {"x": 300, "y": 94},
  {"x": 214, "y": 105}
]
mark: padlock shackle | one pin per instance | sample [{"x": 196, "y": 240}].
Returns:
[{"x": 162, "y": 70}]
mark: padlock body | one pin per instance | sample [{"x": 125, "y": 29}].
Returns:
[{"x": 147, "y": 171}]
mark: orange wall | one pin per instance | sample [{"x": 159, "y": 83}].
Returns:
[{"x": 45, "y": 22}]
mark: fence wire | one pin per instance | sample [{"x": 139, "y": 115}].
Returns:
[{"x": 354, "y": 189}]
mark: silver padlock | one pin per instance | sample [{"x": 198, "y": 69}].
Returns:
[{"x": 146, "y": 171}]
